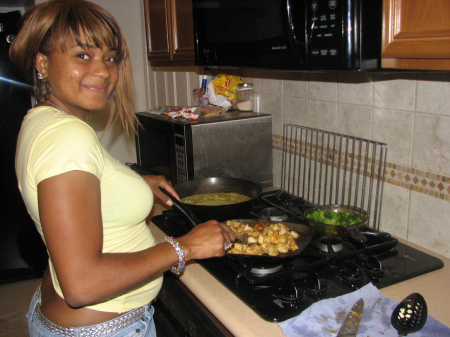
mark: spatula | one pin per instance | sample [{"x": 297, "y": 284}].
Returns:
[{"x": 410, "y": 314}]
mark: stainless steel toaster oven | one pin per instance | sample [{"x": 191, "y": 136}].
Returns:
[{"x": 235, "y": 145}]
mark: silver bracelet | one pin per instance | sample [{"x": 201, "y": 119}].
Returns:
[{"x": 180, "y": 252}]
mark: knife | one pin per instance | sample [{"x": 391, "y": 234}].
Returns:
[{"x": 352, "y": 321}]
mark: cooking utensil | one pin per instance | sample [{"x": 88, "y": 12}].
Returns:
[
  {"x": 322, "y": 229},
  {"x": 190, "y": 217},
  {"x": 352, "y": 321},
  {"x": 410, "y": 315},
  {"x": 219, "y": 185},
  {"x": 139, "y": 169}
]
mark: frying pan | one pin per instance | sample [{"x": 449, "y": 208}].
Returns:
[
  {"x": 304, "y": 239},
  {"x": 219, "y": 185},
  {"x": 304, "y": 231},
  {"x": 214, "y": 185}
]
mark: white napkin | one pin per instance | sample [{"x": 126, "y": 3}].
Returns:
[{"x": 324, "y": 318}]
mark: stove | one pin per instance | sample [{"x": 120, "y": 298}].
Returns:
[{"x": 327, "y": 268}]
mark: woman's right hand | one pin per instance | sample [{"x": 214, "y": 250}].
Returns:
[{"x": 206, "y": 240}]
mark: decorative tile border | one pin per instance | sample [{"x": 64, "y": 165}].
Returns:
[
  {"x": 419, "y": 181},
  {"x": 431, "y": 184}
]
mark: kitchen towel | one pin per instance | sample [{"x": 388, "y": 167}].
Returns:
[{"x": 324, "y": 318}]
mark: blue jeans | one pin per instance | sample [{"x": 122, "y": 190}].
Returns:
[{"x": 144, "y": 327}]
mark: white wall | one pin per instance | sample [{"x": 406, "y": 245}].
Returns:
[{"x": 130, "y": 16}]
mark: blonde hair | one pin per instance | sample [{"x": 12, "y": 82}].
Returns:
[{"x": 44, "y": 29}]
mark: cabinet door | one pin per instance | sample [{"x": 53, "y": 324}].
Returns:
[
  {"x": 158, "y": 31},
  {"x": 170, "y": 30},
  {"x": 182, "y": 30},
  {"x": 416, "y": 34}
]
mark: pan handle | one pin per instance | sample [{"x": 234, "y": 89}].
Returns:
[
  {"x": 355, "y": 233},
  {"x": 190, "y": 217}
]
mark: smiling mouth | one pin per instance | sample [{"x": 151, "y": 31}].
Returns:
[{"x": 98, "y": 90}]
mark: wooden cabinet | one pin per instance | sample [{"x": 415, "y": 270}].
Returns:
[
  {"x": 170, "y": 32},
  {"x": 416, "y": 34}
]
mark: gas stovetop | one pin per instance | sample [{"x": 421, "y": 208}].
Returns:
[{"x": 328, "y": 267}]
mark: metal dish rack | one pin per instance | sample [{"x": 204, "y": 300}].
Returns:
[{"x": 324, "y": 167}]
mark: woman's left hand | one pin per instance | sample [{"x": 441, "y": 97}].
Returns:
[{"x": 155, "y": 182}]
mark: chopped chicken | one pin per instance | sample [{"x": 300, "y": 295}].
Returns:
[{"x": 263, "y": 238}]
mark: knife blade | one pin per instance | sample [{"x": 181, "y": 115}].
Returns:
[{"x": 352, "y": 321}]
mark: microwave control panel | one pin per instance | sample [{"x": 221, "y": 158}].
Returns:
[
  {"x": 180, "y": 157},
  {"x": 343, "y": 34},
  {"x": 325, "y": 26}
]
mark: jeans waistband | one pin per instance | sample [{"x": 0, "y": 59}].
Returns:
[{"x": 96, "y": 330}]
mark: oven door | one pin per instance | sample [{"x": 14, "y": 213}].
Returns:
[{"x": 179, "y": 313}]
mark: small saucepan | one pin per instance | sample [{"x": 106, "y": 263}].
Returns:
[{"x": 353, "y": 230}]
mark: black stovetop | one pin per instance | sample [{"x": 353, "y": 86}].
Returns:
[{"x": 314, "y": 275}]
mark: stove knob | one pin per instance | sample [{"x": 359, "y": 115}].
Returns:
[
  {"x": 290, "y": 293},
  {"x": 352, "y": 273},
  {"x": 316, "y": 286}
]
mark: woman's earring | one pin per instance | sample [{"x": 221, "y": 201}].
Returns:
[{"x": 42, "y": 88}]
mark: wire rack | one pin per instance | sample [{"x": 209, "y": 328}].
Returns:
[{"x": 324, "y": 167}]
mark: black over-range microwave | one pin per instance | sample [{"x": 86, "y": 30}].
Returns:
[
  {"x": 235, "y": 145},
  {"x": 289, "y": 34}
]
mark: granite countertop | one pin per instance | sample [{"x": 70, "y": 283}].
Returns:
[{"x": 240, "y": 320}]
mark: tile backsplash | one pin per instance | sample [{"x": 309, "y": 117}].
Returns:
[{"x": 410, "y": 112}]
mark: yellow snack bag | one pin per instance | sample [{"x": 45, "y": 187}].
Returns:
[{"x": 226, "y": 85}]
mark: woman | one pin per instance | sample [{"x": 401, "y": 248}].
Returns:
[{"x": 104, "y": 266}]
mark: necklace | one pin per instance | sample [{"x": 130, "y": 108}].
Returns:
[{"x": 57, "y": 107}]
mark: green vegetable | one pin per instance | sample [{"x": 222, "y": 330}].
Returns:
[{"x": 334, "y": 218}]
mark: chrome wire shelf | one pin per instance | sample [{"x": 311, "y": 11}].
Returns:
[{"x": 324, "y": 167}]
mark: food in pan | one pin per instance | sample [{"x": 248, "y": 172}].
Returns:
[
  {"x": 263, "y": 238},
  {"x": 335, "y": 218},
  {"x": 215, "y": 199}
]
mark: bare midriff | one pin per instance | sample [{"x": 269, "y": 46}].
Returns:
[{"x": 56, "y": 309}]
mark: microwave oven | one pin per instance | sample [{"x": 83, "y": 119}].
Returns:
[
  {"x": 288, "y": 34},
  {"x": 235, "y": 145}
]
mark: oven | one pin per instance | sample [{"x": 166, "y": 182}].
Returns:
[
  {"x": 318, "y": 167},
  {"x": 178, "y": 313}
]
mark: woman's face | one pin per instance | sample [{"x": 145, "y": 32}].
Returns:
[{"x": 81, "y": 78}]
